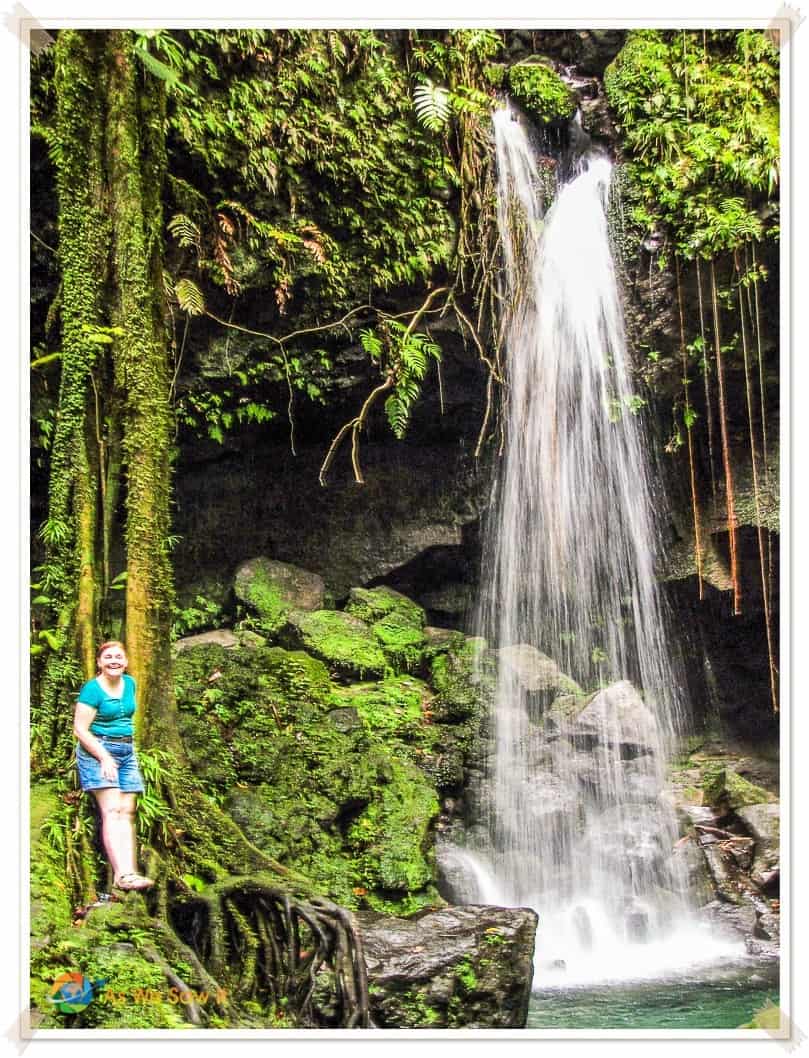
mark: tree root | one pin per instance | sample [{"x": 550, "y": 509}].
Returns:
[{"x": 254, "y": 940}]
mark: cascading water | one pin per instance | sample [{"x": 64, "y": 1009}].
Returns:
[{"x": 569, "y": 818}]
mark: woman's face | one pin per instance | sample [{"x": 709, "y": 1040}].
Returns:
[{"x": 112, "y": 662}]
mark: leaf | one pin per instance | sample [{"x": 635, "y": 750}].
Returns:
[
  {"x": 189, "y": 297},
  {"x": 432, "y": 105}
]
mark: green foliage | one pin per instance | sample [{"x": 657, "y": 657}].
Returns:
[
  {"x": 201, "y": 614},
  {"x": 316, "y": 126},
  {"x": 541, "y": 91},
  {"x": 700, "y": 118}
]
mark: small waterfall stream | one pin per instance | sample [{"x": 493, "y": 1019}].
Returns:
[{"x": 569, "y": 817}]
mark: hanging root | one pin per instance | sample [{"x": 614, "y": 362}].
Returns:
[
  {"x": 690, "y": 439},
  {"x": 723, "y": 423},
  {"x": 765, "y": 587}
]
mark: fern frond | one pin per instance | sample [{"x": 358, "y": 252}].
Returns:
[
  {"x": 432, "y": 105},
  {"x": 184, "y": 230},
  {"x": 189, "y": 297},
  {"x": 371, "y": 343}
]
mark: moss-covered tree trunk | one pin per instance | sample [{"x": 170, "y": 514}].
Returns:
[
  {"x": 70, "y": 574},
  {"x": 136, "y": 157}
]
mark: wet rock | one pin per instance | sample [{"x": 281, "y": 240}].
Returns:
[
  {"x": 452, "y": 599},
  {"x": 617, "y": 716},
  {"x": 534, "y": 671},
  {"x": 691, "y": 868},
  {"x": 725, "y": 872},
  {"x": 762, "y": 822},
  {"x": 456, "y": 967}
]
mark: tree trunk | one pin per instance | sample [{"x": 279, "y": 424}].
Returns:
[{"x": 136, "y": 156}]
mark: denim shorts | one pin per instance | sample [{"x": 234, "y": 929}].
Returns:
[{"x": 129, "y": 778}]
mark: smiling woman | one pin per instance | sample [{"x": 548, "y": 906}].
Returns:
[{"x": 105, "y": 755}]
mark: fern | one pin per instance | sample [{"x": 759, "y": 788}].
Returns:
[
  {"x": 432, "y": 105},
  {"x": 189, "y": 297},
  {"x": 184, "y": 230}
]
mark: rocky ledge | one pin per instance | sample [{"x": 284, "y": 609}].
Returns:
[{"x": 457, "y": 967}]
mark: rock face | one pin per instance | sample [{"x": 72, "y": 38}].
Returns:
[{"x": 458, "y": 967}]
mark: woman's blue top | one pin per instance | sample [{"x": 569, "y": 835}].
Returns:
[{"x": 113, "y": 715}]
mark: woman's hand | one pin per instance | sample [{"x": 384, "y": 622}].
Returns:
[{"x": 109, "y": 768}]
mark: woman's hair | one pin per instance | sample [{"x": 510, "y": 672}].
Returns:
[{"x": 107, "y": 645}]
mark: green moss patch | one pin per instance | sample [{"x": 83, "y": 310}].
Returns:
[
  {"x": 390, "y": 838},
  {"x": 463, "y": 678},
  {"x": 373, "y": 604},
  {"x": 724, "y": 789},
  {"x": 345, "y": 644},
  {"x": 541, "y": 91},
  {"x": 401, "y": 641}
]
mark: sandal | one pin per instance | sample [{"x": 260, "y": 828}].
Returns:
[{"x": 132, "y": 881}]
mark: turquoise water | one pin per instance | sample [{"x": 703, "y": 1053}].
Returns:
[{"x": 722, "y": 998}]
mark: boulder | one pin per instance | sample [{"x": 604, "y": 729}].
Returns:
[
  {"x": 454, "y": 599},
  {"x": 535, "y": 671},
  {"x": 373, "y": 604},
  {"x": 273, "y": 589},
  {"x": 724, "y": 790},
  {"x": 345, "y": 644},
  {"x": 616, "y": 716},
  {"x": 457, "y": 967},
  {"x": 221, "y": 637},
  {"x": 762, "y": 822}
]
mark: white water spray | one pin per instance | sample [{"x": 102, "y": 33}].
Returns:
[{"x": 570, "y": 819}]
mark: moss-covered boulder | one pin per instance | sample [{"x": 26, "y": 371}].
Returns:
[
  {"x": 463, "y": 678},
  {"x": 724, "y": 790},
  {"x": 537, "y": 87},
  {"x": 372, "y": 604},
  {"x": 344, "y": 643},
  {"x": 396, "y": 708},
  {"x": 401, "y": 641},
  {"x": 272, "y": 589}
]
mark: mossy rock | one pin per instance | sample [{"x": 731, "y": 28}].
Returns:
[
  {"x": 393, "y": 708},
  {"x": 463, "y": 678},
  {"x": 541, "y": 90},
  {"x": 272, "y": 589},
  {"x": 401, "y": 641},
  {"x": 391, "y": 837},
  {"x": 374, "y": 604},
  {"x": 208, "y": 753},
  {"x": 723, "y": 789},
  {"x": 344, "y": 643}
]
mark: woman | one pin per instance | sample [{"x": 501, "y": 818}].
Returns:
[{"x": 105, "y": 755}]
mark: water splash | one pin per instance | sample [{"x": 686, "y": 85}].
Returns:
[{"x": 570, "y": 818}]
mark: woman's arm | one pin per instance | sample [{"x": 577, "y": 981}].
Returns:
[{"x": 82, "y": 718}]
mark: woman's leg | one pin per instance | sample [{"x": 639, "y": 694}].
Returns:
[{"x": 117, "y": 828}]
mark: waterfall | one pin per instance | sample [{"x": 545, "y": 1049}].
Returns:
[{"x": 569, "y": 818}]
